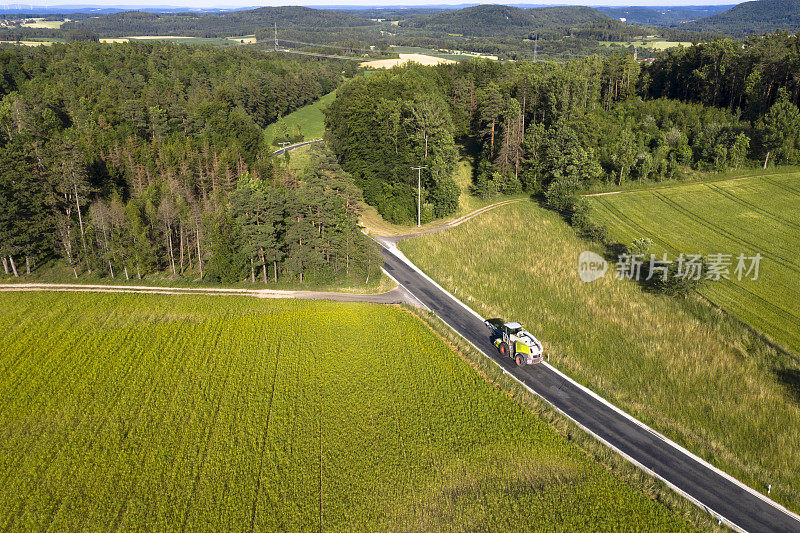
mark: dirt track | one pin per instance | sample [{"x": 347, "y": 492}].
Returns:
[
  {"x": 396, "y": 238},
  {"x": 396, "y": 295}
]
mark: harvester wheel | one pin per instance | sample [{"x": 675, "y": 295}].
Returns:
[
  {"x": 520, "y": 359},
  {"x": 504, "y": 348}
]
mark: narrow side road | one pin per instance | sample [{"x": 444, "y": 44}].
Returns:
[
  {"x": 733, "y": 503},
  {"x": 280, "y": 151}
]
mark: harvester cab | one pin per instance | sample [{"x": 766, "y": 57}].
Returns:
[{"x": 512, "y": 340}]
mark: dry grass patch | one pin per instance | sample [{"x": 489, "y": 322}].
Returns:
[{"x": 422, "y": 59}]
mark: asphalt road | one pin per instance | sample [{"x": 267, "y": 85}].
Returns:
[{"x": 711, "y": 490}]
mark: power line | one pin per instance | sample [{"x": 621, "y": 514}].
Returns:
[
  {"x": 315, "y": 54},
  {"x": 328, "y": 45}
]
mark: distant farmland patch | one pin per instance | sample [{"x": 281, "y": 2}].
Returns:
[
  {"x": 654, "y": 44},
  {"x": 244, "y": 39},
  {"x": 179, "y": 39},
  {"x": 29, "y": 43},
  {"x": 41, "y": 23},
  {"x": 422, "y": 59}
]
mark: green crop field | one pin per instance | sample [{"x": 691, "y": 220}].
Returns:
[
  {"x": 749, "y": 216},
  {"x": 655, "y": 44},
  {"x": 309, "y": 119},
  {"x": 682, "y": 367},
  {"x": 151, "y": 412}
]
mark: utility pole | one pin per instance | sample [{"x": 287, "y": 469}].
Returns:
[
  {"x": 283, "y": 146},
  {"x": 276, "y": 36},
  {"x": 419, "y": 193}
]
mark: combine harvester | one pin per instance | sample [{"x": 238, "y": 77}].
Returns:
[{"x": 512, "y": 340}]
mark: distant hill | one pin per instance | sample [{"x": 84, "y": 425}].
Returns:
[
  {"x": 665, "y": 17},
  {"x": 215, "y": 24},
  {"x": 761, "y": 16},
  {"x": 503, "y": 21}
]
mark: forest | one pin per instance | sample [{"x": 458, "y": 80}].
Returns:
[
  {"x": 483, "y": 20},
  {"x": 743, "y": 76},
  {"x": 552, "y": 129},
  {"x": 506, "y": 31},
  {"x": 131, "y": 159},
  {"x": 752, "y": 18},
  {"x": 215, "y": 24},
  {"x": 382, "y": 125}
]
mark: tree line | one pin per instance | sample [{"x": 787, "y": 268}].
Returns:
[
  {"x": 738, "y": 75},
  {"x": 549, "y": 129},
  {"x": 381, "y": 126},
  {"x": 131, "y": 159}
]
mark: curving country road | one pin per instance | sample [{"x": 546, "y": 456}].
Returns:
[{"x": 733, "y": 503}]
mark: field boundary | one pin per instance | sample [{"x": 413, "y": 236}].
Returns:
[
  {"x": 396, "y": 295},
  {"x": 392, "y": 248},
  {"x": 691, "y": 182}
]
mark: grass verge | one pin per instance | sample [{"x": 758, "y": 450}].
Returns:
[{"x": 683, "y": 368}]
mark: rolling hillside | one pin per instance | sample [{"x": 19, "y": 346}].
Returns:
[
  {"x": 760, "y": 16},
  {"x": 664, "y": 17},
  {"x": 216, "y": 24},
  {"x": 485, "y": 20}
]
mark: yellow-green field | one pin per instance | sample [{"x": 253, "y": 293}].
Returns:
[
  {"x": 243, "y": 39},
  {"x": 741, "y": 216},
  {"x": 157, "y": 413},
  {"x": 682, "y": 367}
]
